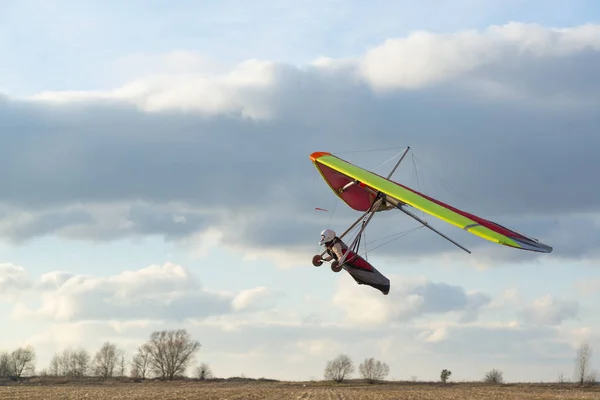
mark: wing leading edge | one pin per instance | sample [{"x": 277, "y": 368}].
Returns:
[{"x": 339, "y": 173}]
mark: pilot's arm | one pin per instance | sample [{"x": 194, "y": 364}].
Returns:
[
  {"x": 327, "y": 257},
  {"x": 337, "y": 249}
]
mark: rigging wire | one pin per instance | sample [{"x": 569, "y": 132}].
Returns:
[
  {"x": 390, "y": 159},
  {"x": 333, "y": 211},
  {"x": 371, "y": 150},
  {"x": 365, "y": 244},
  {"x": 445, "y": 189},
  {"x": 397, "y": 236},
  {"x": 416, "y": 171}
]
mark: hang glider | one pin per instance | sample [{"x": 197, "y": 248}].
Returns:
[
  {"x": 359, "y": 188},
  {"x": 366, "y": 191}
]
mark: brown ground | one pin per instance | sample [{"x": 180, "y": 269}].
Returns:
[{"x": 282, "y": 390}]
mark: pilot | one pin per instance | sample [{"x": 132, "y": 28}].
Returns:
[{"x": 334, "y": 245}]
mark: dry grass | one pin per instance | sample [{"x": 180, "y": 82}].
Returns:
[{"x": 294, "y": 390}]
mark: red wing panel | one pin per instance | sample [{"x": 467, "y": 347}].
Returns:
[{"x": 355, "y": 196}]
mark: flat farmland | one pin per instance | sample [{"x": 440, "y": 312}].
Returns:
[{"x": 281, "y": 390}]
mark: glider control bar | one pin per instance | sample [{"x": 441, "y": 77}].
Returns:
[{"x": 426, "y": 224}]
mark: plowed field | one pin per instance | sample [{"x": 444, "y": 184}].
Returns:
[{"x": 296, "y": 391}]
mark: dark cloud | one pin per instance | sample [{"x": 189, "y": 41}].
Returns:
[
  {"x": 442, "y": 298},
  {"x": 513, "y": 158},
  {"x": 103, "y": 223}
]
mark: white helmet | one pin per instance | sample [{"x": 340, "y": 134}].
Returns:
[{"x": 327, "y": 236}]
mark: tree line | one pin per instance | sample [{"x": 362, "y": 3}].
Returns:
[
  {"x": 342, "y": 368},
  {"x": 166, "y": 355}
]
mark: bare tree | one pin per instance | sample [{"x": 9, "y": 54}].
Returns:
[
  {"x": 80, "y": 362},
  {"x": 122, "y": 364},
  {"x": 22, "y": 361},
  {"x": 373, "y": 370},
  {"x": 5, "y": 369},
  {"x": 54, "y": 367},
  {"x": 203, "y": 372},
  {"x": 61, "y": 364},
  {"x": 69, "y": 362},
  {"x": 140, "y": 363},
  {"x": 591, "y": 378},
  {"x": 339, "y": 368},
  {"x": 582, "y": 362},
  {"x": 171, "y": 352},
  {"x": 494, "y": 376},
  {"x": 561, "y": 378},
  {"x": 106, "y": 359}
]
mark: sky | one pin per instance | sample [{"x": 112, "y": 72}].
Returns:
[{"x": 156, "y": 175}]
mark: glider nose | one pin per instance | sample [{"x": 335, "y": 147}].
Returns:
[{"x": 318, "y": 154}]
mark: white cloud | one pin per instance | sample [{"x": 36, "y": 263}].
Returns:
[
  {"x": 201, "y": 243},
  {"x": 156, "y": 292},
  {"x": 508, "y": 298},
  {"x": 318, "y": 347},
  {"x": 424, "y": 58},
  {"x": 548, "y": 310},
  {"x": 272, "y": 337},
  {"x": 438, "y": 334},
  {"x": 242, "y": 90},
  {"x": 185, "y": 81},
  {"x": 13, "y": 279},
  {"x": 250, "y": 298}
]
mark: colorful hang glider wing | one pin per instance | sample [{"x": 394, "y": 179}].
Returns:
[{"x": 340, "y": 174}]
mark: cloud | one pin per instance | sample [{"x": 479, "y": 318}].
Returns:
[
  {"x": 409, "y": 299},
  {"x": 53, "y": 280},
  {"x": 252, "y": 298},
  {"x": 507, "y": 298},
  {"x": 13, "y": 279},
  {"x": 509, "y": 342},
  {"x": 548, "y": 310},
  {"x": 503, "y": 123},
  {"x": 261, "y": 345},
  {"x": 425, "y": 322},
  {"x": 241, "y": 91},
  {"x": 424, "y": 58},
  {"x": 166, "y": 292}
]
